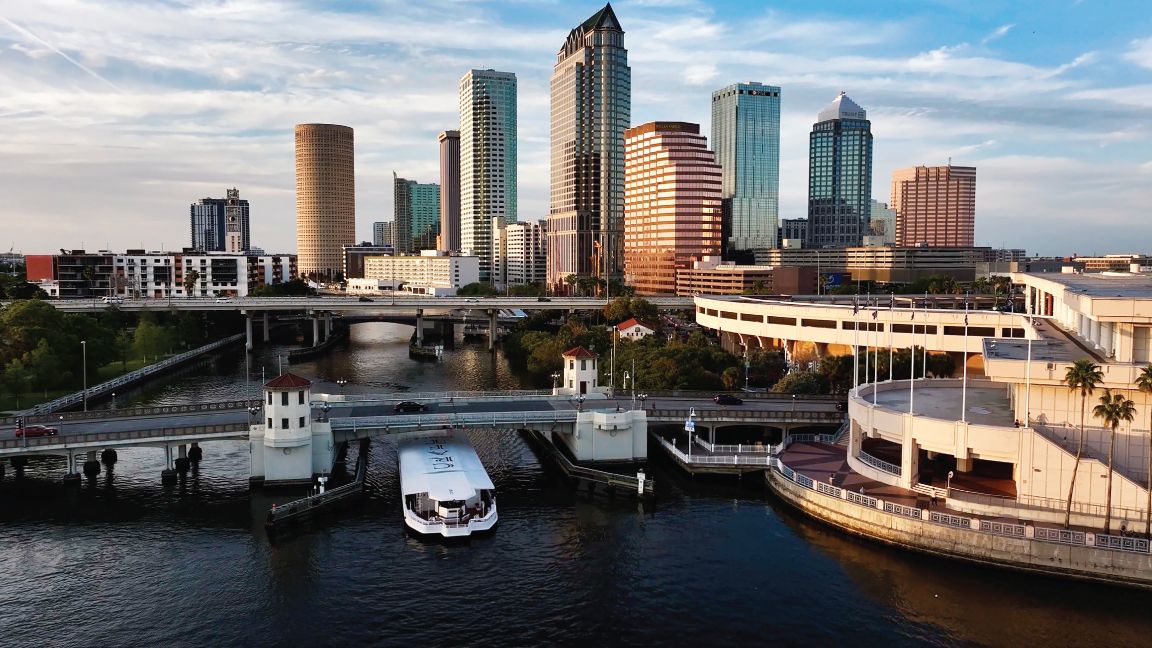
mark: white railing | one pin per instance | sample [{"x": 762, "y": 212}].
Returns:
[
  {"x": 1032, "y": 503},
  {"x": 1125, "y": 543},
  {"x": 471, "y": 419},
  {"x": 751, "y": 448},
  {"x": 930, "y": 491},
  {"x": 878, "y": 464},
  {"x": 715, "y": 460}
]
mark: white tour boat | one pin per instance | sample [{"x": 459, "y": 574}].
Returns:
[{"x": 444, "y": 486}]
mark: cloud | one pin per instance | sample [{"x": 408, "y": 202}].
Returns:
[
  {"x": 997, "y": 33},
  {"x": 1140, "y": 52}
]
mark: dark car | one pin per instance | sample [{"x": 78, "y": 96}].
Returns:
[
  {"x": 409, "y": 406},
  {"x": 36, "y": 431},
  {"x": 543, "y": 299},
  {"x": 363, "y": 298},
  {"x": 727, "y": 399}
]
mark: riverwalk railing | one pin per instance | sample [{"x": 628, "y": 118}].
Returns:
[
  {"x": 1030, "y": 504},
  {"x": 1121, "y": 543},
  {"x": 740, "y": 448},
  {"x": 125, "y": 379},
  {"x": 880, "y": 464},
  {"x": 715, "y": 460}
]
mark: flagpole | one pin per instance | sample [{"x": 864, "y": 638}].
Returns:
[
  {"x": 925, "y": 349},
  {"x": 1028, "y": 380},
  {"x": 964, "y": 391},
  {"x": 855, "y": 342},
  {"x": 912, "y": 357},
  {"x": 891, "y": 312},
  {"x": 867, "y": 359},
  {"x": 875, "y": 350}
]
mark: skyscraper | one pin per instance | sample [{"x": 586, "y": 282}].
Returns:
[
  {"x": 487, "y": 160},
  {"x": 746, "y": 139},
  {"x": 325, "y": 197},
  {"x": 381, "y": 233},
  {"x": 449, "y": 190},
  {"x": 425, "y": 215},
  {"x": 882, "y": 222},
  {"x": 591, "y": 108},
  {"x": 213, "y": 218},
  {"x": 672, "y": 212},
  {"x": 839, "y": 175},
  {"x": 935, "y": 206},
  {"x": 402, "y": 213}
]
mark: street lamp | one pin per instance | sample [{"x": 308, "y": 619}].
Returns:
[
  {"x": 555, "y": 376},
  {"x": 948, "y": 484},
  {"x": 113, "y": 400},
  {"x": 793, "y": 403},
  {"x": 84, "y": 352},
  {"x": 340, "y": 383}
]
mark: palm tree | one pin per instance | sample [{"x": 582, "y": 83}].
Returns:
[
  {"x": 1082, "y": 376},
  {"x": 1144, "y": 384},
  {"x": 1113, "y": 409}
]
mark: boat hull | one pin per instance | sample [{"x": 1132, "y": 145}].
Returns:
[{"x": 450, "y": 529}]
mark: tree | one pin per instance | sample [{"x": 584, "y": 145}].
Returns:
[
  {"x": 477, "y": 289},
  {"x": 1082, "y": 376},
  {"x": 191, "y": 278},
  {"x": 1144, "y": 384},
  {"x": 152, "y": 339},
  {"x": 1113, "y": 409},
  {"x": 801, "y": 382},
  {"x": 731, "y": 378}
]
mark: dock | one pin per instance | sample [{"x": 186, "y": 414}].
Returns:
[
  {"x": 595, "y": 480},
  {"x": 302, "y": 511}
]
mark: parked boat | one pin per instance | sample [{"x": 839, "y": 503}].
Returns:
[{"x": 445, "y": 488}]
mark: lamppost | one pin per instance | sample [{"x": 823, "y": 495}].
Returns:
[
  {"x": 745, "y": 366},
  {"x": 793, "y": 403},
  {"x": 252, "y": 409},
  {"x": 340, "y": 383},
  {"x": 84, "y": 352},
  {"x": 948, "y": 484},
  {"x": 555, "y": 376},
  {"x": 113, "y": 400}
]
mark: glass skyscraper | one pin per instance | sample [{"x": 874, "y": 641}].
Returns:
[
  {"x": 211, "y": 218},
  {"x": 839, "y": 176},
  {"x": 417, "y": 215},
  {"x": 746, "y": 139},
  {"x": 591, "y": 106},
  {"x": 487, "y": 160}
]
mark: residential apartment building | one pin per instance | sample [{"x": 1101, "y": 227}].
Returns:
[
  {"x": 354, "y": 256},
  {"x": 591, "y": 104},
  {"x": 417, "y": 214},
  {"x": 520, "y": 251},
  {"x": 839, "y": 175},
  {"x": 882, "y": 223},
  {"x": 487, "y": 160},
  {"x": 746, "y": 139},
  {"x": 935, "y": 206},
  {"x": 672, "y": 210},
  {"x": 213, "y": 219}
]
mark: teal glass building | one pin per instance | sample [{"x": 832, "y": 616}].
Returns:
[
  {"x": 746, "y": 139},
  {"x": 839, "y": 176}
]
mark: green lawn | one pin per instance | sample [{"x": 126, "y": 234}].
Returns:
[{"x": 9, "y": 403}]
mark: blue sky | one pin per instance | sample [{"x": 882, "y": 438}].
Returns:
[{"x": 116, "y": 114}]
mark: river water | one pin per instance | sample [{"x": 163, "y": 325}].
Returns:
[{"x": 124, "y": 562}]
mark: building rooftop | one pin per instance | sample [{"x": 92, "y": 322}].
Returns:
[
  {"x": 579, "y": 352},
  {"x": 287, "y": 381},
  {"x": 842, "y": 108},
  {"x": 1104, "y": 285}
]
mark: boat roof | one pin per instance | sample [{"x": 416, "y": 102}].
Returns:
[{"x": 441, "y": 463}]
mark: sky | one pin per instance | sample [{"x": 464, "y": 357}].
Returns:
[{"x": 115, "y": 115}]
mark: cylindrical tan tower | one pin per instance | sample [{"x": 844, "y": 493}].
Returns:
[{"x": 325, "y": 197}]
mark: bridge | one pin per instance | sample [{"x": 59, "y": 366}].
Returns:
[{"x": 173, "y": 428}]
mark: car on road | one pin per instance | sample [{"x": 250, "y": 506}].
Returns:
[
  {"x": 543, "y": 299},
  {"x": 727, "y": 399},
  {"x": 36, "y": 431},
  {"x": 364, "y": 299},
  {"x": 409, "y": 406},
  {"x": 223, "y": 300},
  {"x": 113, "y": 300}
]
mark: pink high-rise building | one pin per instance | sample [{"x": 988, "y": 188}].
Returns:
[
  {"x": 672, "y": 204},
  {"x": 935, "y": 206}
]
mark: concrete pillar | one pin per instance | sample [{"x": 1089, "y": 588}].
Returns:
[
  {"x": 168, "y": 475},
  {"x": 963, "y": 465},
  {"x": 419, "y": 326},
  {"x": 91, "y": 465},
  {"x": 327, "y": 325},
  {"x": 182, "y": 462},
  {"x": 248, "y": 331},
  {"x": 492, "y": 330},
  {"x": 267, "y": 332},
  {"x": 315, "y": 330}
]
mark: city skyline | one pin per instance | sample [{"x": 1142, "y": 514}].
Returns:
[{"x": 1049, "y": 105}]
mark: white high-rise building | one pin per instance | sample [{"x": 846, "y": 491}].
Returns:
[
  {"x": 487, "y": 160},
  {"x": 520, "y": 253}
]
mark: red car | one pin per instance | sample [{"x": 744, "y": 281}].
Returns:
[{"x": 36, "y": 431}]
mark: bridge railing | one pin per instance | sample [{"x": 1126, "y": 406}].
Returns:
[
  {"x": 130, "y": 377},
  {"x": 361, "y": 399},
  {"x": 118, "y": 437},
  {"x": 471, "y": 419},
  {"x": 140, "y": 412},
  {"x": 782, "y": 415}
]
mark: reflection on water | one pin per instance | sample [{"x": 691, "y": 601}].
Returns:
[{"x": 123, "y": 561}]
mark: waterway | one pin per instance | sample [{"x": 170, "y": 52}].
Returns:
[{"x": 125, "y": 562}]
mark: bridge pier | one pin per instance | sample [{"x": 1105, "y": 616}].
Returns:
[
  {"x": 492, "y": 330},
  {"x": 168, "y": 475},
  {"x": 2, "y": 466},
  {"x": 267, "y": 327},
  {"x": 19, "y": 464},
  {"x": 91, "y": 465},
  {"x": 108, "y": 456},
  {"x": 248, "y": 331},
  {"x": 327, "y": 325},
  {"x": 419, "y": 326},
  {"x": 315, "y": 330},
  {"x": 195, "y": 454},
  {"x": 71, "y": 478},
  {"x": 182, "y": 463}
]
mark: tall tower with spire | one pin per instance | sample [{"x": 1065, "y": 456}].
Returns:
[
  {"x": 839, "y": 175},
  {"x": 591, "y": 108}
]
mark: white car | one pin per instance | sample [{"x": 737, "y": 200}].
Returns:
[
  {"x": 113, "y": 300},
  {"x": 223, "y": 300}
]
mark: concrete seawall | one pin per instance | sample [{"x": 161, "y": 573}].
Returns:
[{"x": 1024, "y": 554}]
